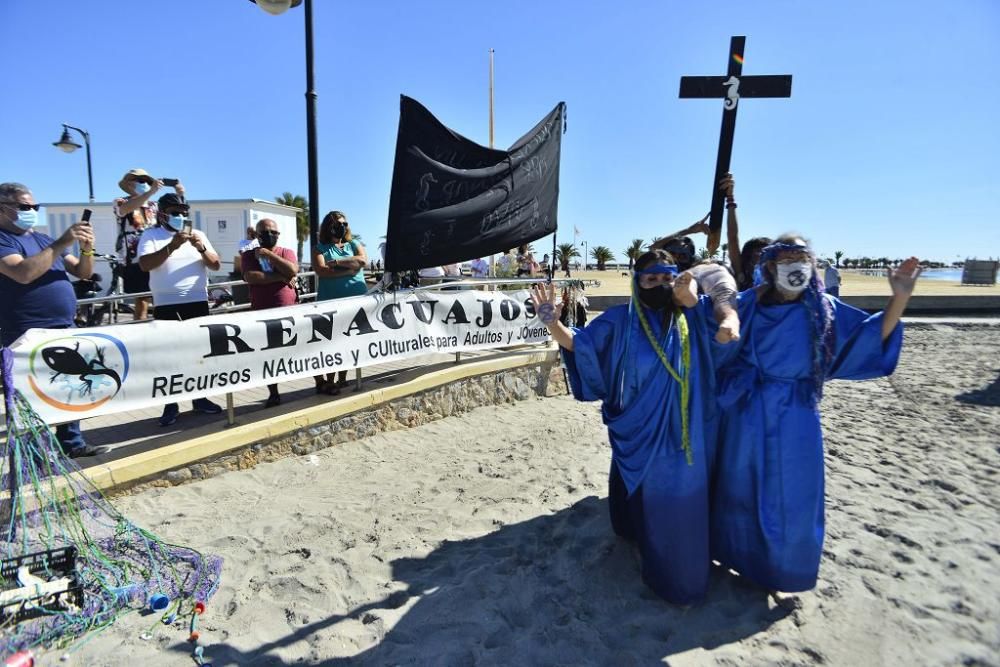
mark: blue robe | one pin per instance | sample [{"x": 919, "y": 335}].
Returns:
[
  {"x": 656, "y": 498},
  {"x": 767, "y": 504}
]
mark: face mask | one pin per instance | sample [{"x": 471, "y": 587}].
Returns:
[
  {"x": 338, "y": 230},
  {"x": 267, "y": 239},
  {"x": 26, "y": 219},
  {"x": 657, "y": 298},
  {"x": 141, "y": 188},
  {"x": 794, "y": 277},
  {"x": 176, "y": 222}
]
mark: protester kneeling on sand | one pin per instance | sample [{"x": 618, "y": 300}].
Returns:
[{"x": 652, "y": 364}]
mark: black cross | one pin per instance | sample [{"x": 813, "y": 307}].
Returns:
[{"x": 731, "y": 88}]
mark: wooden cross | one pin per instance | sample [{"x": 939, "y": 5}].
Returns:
[{"x": 731, "y": 88}]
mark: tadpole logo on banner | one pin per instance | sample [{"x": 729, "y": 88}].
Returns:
[
  {"x": 69, "y": 374},
  {"x": 79, "y": 372}
]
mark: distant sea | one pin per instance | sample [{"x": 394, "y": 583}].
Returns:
[{"x": 942, "y": 274}]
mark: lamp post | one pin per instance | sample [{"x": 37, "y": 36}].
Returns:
[
  {"x": 584, "y": 255},
  {"x": 67, "y": 145},
  {"x": 276, "y": 7}
]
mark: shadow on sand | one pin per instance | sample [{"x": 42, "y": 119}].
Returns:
[
  {"x": 988, "y": 395},
  {"x": 556, "y": 589}
]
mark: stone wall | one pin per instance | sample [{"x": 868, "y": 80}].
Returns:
[{"x": 518, "y": 384}]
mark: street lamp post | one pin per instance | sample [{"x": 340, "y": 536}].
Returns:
[
  {"x": 584, "y": 255},
  {"x": 276, "y": 7},
  {"x": 67, "y": 145}
]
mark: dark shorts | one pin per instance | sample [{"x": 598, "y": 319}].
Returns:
[
  {"x": 134, "y": 279},
  {"x": 181, "y": 311}
]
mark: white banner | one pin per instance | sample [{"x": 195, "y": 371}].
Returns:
[{"x": 69, "y": 374}]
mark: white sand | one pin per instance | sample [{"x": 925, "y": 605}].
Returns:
[{"x": 484, "y": 539}]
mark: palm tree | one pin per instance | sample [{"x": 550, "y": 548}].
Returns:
[
  {"x": 837, "y": 255},
  {"x": 301, "y": 218},
  {"x": 564, "y": 253},
  {"x": 633, "y": 251},
  {"x": 602, "y": 255},
  {"x": 649, "y": 246}
]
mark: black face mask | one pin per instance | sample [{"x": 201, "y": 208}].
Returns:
[
  {"x": 267, "y": 239},
  {"x": 657, "y": 298},
  {"x": 338, "y": 230},
  {"x": 682, "y": 258}
]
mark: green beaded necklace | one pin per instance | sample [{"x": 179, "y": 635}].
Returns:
[{"x": 684, "y": 380}]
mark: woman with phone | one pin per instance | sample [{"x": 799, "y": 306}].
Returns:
[{"x": 135, "y": 214}]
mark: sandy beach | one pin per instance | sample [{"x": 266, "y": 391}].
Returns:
[{"x": 484, "y": 539}]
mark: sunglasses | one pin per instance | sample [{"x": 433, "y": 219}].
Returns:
[{"x": 22, "y": 207}]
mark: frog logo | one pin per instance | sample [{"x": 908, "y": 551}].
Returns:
[{"x": 78, "y": 373}]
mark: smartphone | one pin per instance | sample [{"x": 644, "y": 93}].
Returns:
[
  {"x": 187, "y": 228},
  {"x": 86, "y": 216},
  {"x": 169, "y": 182}
]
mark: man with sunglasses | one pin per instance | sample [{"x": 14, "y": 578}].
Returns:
[
  {"x": 270, "y": 271},
  {"x": 35, "y": 291},
  {"x": 178, "y": 260}
]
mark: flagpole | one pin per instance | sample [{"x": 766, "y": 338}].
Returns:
[{"x": 493, "y": 263}]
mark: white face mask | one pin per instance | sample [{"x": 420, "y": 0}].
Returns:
[
  {"x": 141, "y": 188},
  {"x": 794, "y": 277}
]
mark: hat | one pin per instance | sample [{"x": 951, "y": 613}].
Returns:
[
  {"x": 135, "y": 175},
  {"x": 170, "y": 200}
]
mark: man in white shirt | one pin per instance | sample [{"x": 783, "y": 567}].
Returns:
[{"x": 178, "y": 259}]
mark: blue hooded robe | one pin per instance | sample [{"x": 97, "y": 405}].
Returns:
[
  {"x": 656, "y": 498},
  {"x": 767, "y": 505}
]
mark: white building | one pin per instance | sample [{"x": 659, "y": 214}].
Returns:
[{"x": 223, "y": 221}]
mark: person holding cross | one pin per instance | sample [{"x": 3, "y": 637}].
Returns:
[
  {"x": 767, "y": 518},
  {"x": 652, "y": 365},
  {"x": 743, "y": 260}
]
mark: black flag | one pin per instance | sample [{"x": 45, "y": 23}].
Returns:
[{"x": 453, "y": 200}]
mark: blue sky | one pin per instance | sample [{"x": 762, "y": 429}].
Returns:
[{"x": 886, "y": 147}]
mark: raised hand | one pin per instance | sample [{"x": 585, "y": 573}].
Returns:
[
  {"x": 700, "y": 227},
  {"x": 546, "y": 306},
  {"x": 81, "y": 233},
  {"x": 727, "y": 185},
  {"x": 685, "y": 290},
  {"x": 903, "y": 279}
]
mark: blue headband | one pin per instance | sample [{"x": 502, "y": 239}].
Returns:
[
  {"x": 670, "y": 269},
  {"x": 770, "y": 251}
]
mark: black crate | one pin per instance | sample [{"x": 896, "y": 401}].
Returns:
[{"x": 52, "y": 564}]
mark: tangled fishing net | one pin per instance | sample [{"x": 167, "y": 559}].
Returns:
[{"x": 71, "y": 563}]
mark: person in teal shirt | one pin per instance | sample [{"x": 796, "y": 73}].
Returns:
[{"x": 339, "y": 263}]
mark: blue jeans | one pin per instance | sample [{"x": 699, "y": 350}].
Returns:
[{"x": 70, "y": 437}]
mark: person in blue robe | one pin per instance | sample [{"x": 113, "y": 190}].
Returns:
[
  {"x": 767, "y": 500},
  {"x": 653, "y": 367}
]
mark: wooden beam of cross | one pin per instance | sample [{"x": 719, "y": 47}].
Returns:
[{"x": 731, "y": 88}]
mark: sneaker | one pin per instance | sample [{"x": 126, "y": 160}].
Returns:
[
  {"x": 87, "y": 450},
  {"x": 206, "y": 406},
  {"x": 169, "y": 416}
]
